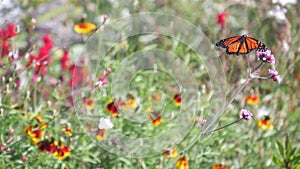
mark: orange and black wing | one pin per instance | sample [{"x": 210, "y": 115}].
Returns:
[
  {"x": 241, "y": 45},
  {"x": 254, "y": 44}
]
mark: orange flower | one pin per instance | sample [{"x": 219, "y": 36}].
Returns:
[
  {"x": 265, "y": 123},
  {"x": 219, "y": 166},
  {"x": 171, "y": 153},
  {"x": 131, "y": 102},
  {"x": 84, "y": 27},
  {"x": 111, "y": 108},
  {"x": 252, "y": 99},
  {"x": 156, "y": 121},
  {"x": 100, "y": 134},
  {"x": 67, "y": 131},
  {"x": 182, "y": 162},
  {"x": 177, "y": 99},
  {"x": 88, "y": 103}
]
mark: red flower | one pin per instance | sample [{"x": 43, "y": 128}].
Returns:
[
  {"x": 7, "y": 32},
  {"x": 78, "y": 74},
  {"x": 221, "y": 19},
  {"x": 6, "y": 48},
  {"x": 64, "y": 61}
]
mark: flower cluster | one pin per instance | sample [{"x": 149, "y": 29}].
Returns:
[
  {"x": 7, "y": 32},
  {"x": 265, "y": 56},
  {"x": 245, "y": 114},
  {"x": 36, "y": 133},
  {"x": 273, "y": 74},
  {"x": 51, "y": 146}
]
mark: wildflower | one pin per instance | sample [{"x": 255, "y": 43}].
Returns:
[
  {"x": 78, "y": 75},
  {"x": 172, "y": 153},
  {"x": 265, "y": 56},
  {"x": 105, "y": 123},
  {"x": 278, "y": 13},
  {"x": 115, "y": 141},
  {"x": 265, "y": 123},
  {"x": 221, "y": 19},
  {"x": 64, "y": 61},
  {"x": 131, "y": 103},
  {"x": 182, "y": 162},
  {"x": 62, "y": 152},
  {"x": 202, "y": 122},
  {"x": 246, "y": 114},
  {"x": 111, "y": 108},
  {"x": 48, "y": 146},
  {"x": 103, "y": 78},
  {"x": 67, "y": 131},
  {"x": 84, "y": 27},
  {"x": 24, "y": 158},
  {"x": 252, "y": 99},
  {"x": 284, "y": 2},
  {"x": 219, "y": 166},
  {"x": 274, "y": 75},
  {"x": 177, "y": 99},
  {"x": 7, "y": 32},
  {"x": 88, "y": 103},
  {"x": 100, "y": 134},
  {"x": 6, "y": 48},
  {"x": 156, "y": 121}
]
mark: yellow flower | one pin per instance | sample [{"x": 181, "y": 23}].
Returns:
[
  {"x": 84, "y": 27},
  {"x": 157, "y": 121},
  {"x": 177, "y": 99},
  {"x": 171, "y": 153},
  {"x": 265, "y": 123},
  {"x": 100, "y": 134},
  {"x": 112, "y": 109},
  {"x": 67, "y": 131},
  {"x": 252, "y": 99},
  {"x": 182, "y": 162},
  {"x": 89, "y": 103}
]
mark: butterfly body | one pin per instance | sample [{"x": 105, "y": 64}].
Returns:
[{"x": 241, "y": 45}]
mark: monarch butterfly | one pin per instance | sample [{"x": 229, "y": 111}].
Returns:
[{"x": 241, "y": 44}]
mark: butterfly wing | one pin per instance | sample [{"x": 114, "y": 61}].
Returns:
[
  {"x": 224, "y": 43},
  {"x": 254, "y": 44},
  {"x": 241, "y": 45}
]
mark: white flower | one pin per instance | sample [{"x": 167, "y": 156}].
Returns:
[
  {"x": 284, "y": 2},
  {"x": 263, "y": 111},
  {"x": 105, "y": 123},
  {"x": 278, "y": 13}
]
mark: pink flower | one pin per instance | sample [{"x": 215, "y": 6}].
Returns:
[
  {"x": 274, "y": 75},
  {"x": 221, "y": 19},
  {"x": 245, "y": 114},
  {"x": 103, "y": 79},
  {"x": 265, "y": 56},
  {"x": 202, "y": 122}
]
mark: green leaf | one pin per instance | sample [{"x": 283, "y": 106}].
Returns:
[
  {"x": 288, "y": 146},
  {"x": 295, "y": 159},
  {"x": 280, "y": 148},
  {"x": 277, "y": 161}
]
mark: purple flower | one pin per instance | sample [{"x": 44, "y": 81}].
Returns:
[
  {"x": 202, "y": 122},
  {"x": 115, "y": 141},
  {"x": 266, "y": 56},
  {"x": 245, "y": 114},
  {"x": 274, "y": 75}
]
